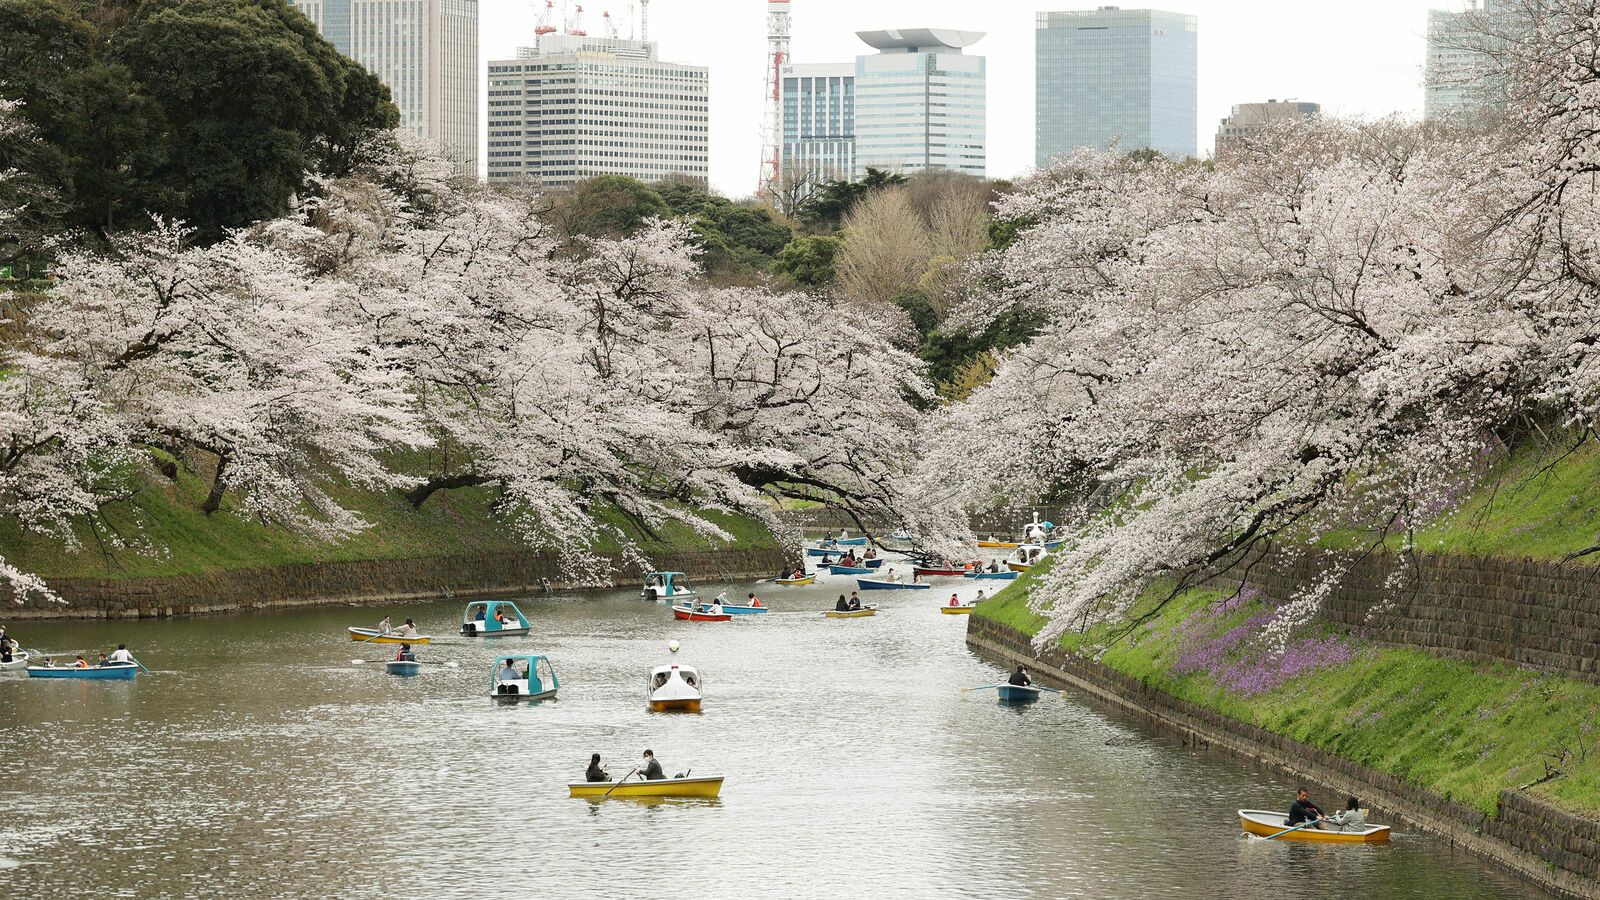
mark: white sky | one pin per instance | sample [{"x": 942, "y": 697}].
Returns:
[{"x": 1355, "y": 57}]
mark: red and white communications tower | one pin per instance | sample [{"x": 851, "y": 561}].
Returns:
[{"x": 777, "y": 58}]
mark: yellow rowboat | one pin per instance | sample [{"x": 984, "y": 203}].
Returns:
[
  {"x": 809, "y": 579},
  {"x": 371, "y": 636},
  {"x": 957, "y": 610},
  {"x": 1266, "y": 823},
  {"x": 999, "y": 545},
  {"x": 1018, "y": 567},
  {"x": 852, "y": 614},
  {"x": 700, "y": 786}
]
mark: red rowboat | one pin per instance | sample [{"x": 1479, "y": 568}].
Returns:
[
  {"x": 684, "y": 612},
  {"x": 922, "y": 571}
]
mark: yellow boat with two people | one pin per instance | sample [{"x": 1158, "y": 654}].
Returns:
[
  {"x": 706, "y": 786},
  {"x": 808, "y": 579},
  {"x": 1264, "y": 823},
  {"x": 389, "y": 634}
]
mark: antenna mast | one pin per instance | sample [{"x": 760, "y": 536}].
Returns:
[{"x": 777, "y": 58}]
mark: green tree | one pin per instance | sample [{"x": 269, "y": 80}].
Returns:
[
  {"x": 808, "y": 259},
  {"x": 833, "y": 200},
  {"x": 613, "y": 206}
]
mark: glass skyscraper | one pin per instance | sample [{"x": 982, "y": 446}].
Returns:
[
  {"x": 819, "y": 120},
  {"x": 1110, "y": 74},
  {"x": 920, "y": 102},
  {"x": 1456, "y": 76}
]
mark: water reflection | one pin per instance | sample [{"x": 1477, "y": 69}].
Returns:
[{"x": 261, "y": 760}]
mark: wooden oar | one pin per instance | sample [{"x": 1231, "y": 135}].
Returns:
[
  {"x": 139, "y": 664},
  {"x": 448, "y": 664},
  {"x": 1257, "y": 837},
  {"x": 620, "y": 781}
]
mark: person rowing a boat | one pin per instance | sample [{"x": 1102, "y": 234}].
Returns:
[
  {"x": 1020, "y": 678},
  {"x": 408, "y": 630},
  {"x": 508, "y": 673},
  {"x": 121, "y": 655},
  {"x": 385, "y": 627},
  {"x": 405, "y": 654},
  {"x": 652, "y": 767},
  {"x": 855, "y": 600},
  {"x": 1303, "y": 810},
  {"x": 595, "y": 773}
]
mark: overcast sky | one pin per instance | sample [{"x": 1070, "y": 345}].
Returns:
[{"x": 1355, "y": 57}]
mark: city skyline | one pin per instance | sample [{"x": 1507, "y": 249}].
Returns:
[{"x": 1362, "y": 58}]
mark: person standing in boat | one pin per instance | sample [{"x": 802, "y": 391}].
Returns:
[
  {"x": 652, "y": 767},
  {"x": 595, "y": 773},
  {"x": 1303, "y": 810},
  {"x": 1020, "y": 678}
]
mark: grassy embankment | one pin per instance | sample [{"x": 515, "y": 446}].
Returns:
[
  {"x": 1463, "y": 731},
  {"x": 183, "y": 540}
]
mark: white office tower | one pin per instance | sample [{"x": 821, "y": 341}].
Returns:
[
  {"x": 819, "y": 120},
  {"x": 426, "y": 52},
  {"x": 772, "y": 119},
  {"x": 1455, "y": 72},
  {"x": 579, "y": 106},
  {"x": 920, "y": 102}
]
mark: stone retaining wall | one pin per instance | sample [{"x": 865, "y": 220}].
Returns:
[
  {"x": 1544, "y": 844},
  {"x": 366, "y": 581},
  {"x": 1525, "y": 612}
]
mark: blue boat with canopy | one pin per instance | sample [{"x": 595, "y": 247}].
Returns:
[
  {"x": 668, "y": 587},
  {"x": 493, "y": 618},
  {"x": 522, "y": 678}
]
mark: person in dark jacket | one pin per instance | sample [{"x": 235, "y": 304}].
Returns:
[
  {"x": 1020, "y": 677},
  {"x": 595, "y": 773},
  {"x": 1303, "y": 809},
  {"x": 652, "y": 767},
  {"x": 842, "y": 605}
]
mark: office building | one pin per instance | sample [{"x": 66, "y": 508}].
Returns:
[
  {"x": 920, "y": 102},
  {"x": 1253, "y": 118},
  {"x": 1107, "y": 75},
  {"x": 579, "y": 106},
  {"x": 819, "y": 121},
  {"x": 1455, "y": 72},
  {"x": 425, "y": 52}
]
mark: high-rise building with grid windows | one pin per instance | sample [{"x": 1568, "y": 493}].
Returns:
[
  {"x": 1457, "y": 75},
  {"x": 579, "y": 106},
  {"x": 1110, "y": 74},
  {"x": 425, "y": 51},
  {"x": 920, "y": 103},
  {"x": 819, "y": 121}
]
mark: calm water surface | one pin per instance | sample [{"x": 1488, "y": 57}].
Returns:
[{"x": 258, "y": 760}]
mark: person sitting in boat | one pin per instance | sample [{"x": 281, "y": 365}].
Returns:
[
  {"x": 508, "y": 672},
  {"x": 849, "y": 559},
  {"x": 716, "y": 607},
  {"x": 408, "y": 630},
  {"x": 843, "y": 605},
  {"x": 121, "y": 654},
  {"x": 872, "y": 553},
  {"x": 81, "y": 663},
  {"x": 595, "y": 773},
  {"x": 482, "y": 615},
  {"x": 1020, "y": 678},
  {"x": 652, "y": 767},
  {"x": 994, "y": 565},
  {"x": 1303, "y": 810},
  {"x": 5, "y": 651},
  {"x": 954, "y": 601},
  {"x": 384, "y": 627},
  {"x": 499, "y": 617},
  {"x": 1351, "y": 816},
  {"x": 103, "y": 661},
  {"x": 405, "y": 654},
  {"x": 753, "y": 601}
]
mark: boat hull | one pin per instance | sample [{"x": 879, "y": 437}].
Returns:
[
  {"x": 809, "y": 579},
  {"x": 744, "y": 610},
  {"x": 872, "y": 563},
  {"x": 998, "y": 545},
  {"x": 1019, "y": 567},
  {"x": 540, "y": 695},
  {"x": 955, "y": 610},
  {"x": 123, "y": 672},
  {"x": 680, "y": 704},
  {"x": 19, "y": 662},
  {"x": 470, "y": 629},
  {"x": 851, "y": 542},
  {"x": 709, "y": 786},
  {"x": 1265, "y": 823},
  {"x": 867, "y": 584},
  {"x": 679, "y": 612},
  {"x": 371, "y": 636},
  {"x": 852, "y": 614},
  {"x": 403, "y": 668},
  {"x": 1017, "y": 693},
  {"x": 849, "y": 570},
  {"x": 952, "y": 572},
  {"x": 995, "y": 576}
]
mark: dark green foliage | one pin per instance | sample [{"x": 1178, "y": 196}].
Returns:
[
  {"x": 808, "y": 259},
  {"x": 947, "y": 351},
  {"x": 826, "y": 208},
  {"x": 921, "y": 311},
  {"x": 607, "y": 206},
  {"x": 209, "y": 111}
]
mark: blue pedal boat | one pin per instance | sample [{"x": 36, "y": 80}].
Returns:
[
  {"x": 111, "y": 672},
  {"x": 869, "y": 584},
  {"x": 534, "y": 678},
  {"x": 849, "y": 570},
  {"x": 484, "y": 619}
]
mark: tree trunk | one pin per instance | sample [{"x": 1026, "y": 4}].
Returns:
[
  {"x": 420, "y": 494},
  {"x": 219, "y": 486}
]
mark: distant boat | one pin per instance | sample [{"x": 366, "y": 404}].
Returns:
[
  {"x": 999, "y": 545},
  {"x": 108, "y": 672},
  {"x": 849, "y": 570},
  {"x": 536, "y": 678},
  {"x": 868, "y": 584},
  {"x": 668, "y": 587},
  {"x": 957, "y": 610},
  {"x": 861, "y": 613},
  {"x": 481, "y": 619},
  {"x": 374, "y": 636},
  {"x": 673, "y": 688},
  {"x": 403, "y": 667},
  {"x": 1017, "y": 693},
  {"x": 1001, "y": 576},
  {"x": 809, "y": 579},
  {"x": 872, "y": 563},
  {"x": 694, "y": 615},
  {"x": 845, "y": 541},
  {"x": 738, "y": 610},
  {"x": 1268, "y": 823},
  {"x": 944, "y": 570},
  {"x": 19, "y": 661},
  {"x": 698, "y": 786}
]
